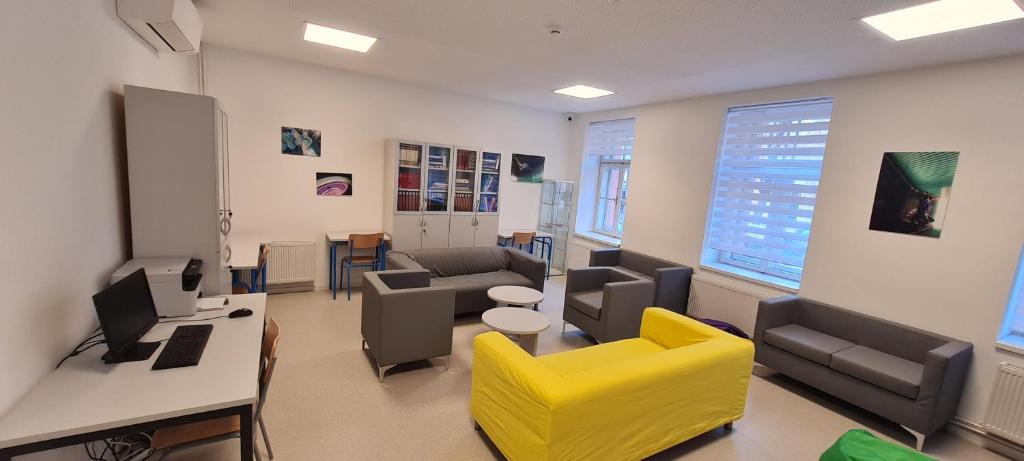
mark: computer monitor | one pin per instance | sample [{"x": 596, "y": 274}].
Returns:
[{"x": 126, "y": 312}]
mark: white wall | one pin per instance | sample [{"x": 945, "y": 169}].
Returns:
[
  {"x": 273, "y": 194},
  {"x": 956, "y": 285},
  {"x": 63, "y": 191}
]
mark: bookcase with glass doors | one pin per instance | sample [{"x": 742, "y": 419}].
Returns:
[{"x": 441, "y": 195}]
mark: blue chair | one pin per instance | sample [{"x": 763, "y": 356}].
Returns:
[{"x": 361, "y": 242}]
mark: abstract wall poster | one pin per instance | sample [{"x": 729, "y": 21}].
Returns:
[
  {"x": 333, "y": 184},
  {"x": 299, "y": 141},
  {"x": 913, "y": 192},
  {"x": 527, "y": 168}
]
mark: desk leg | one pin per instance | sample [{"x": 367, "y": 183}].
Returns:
[
  {"x": 551, "y": 250},
  {"x": 245, "y": 433},
  {"x": 333, "y": 257}
]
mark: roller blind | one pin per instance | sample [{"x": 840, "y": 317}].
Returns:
[
  {"x": 766, "y": 185},
  {"x": 611, "y": 138}
]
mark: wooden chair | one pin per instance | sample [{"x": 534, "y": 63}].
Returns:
[
  {"x": 225, "y": 428},
  {"x": 258, "y": 281},
  {"x": 361, "y": 242},
  {"x": 523, "y": 238}
]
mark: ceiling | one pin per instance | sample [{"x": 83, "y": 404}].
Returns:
[{"x": 645, "y": 50}]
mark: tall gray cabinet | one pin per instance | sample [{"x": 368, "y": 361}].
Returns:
[{"x": 178, "y": 180}]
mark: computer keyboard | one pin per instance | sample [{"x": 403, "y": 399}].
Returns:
[{"x": 184, "y": 348}]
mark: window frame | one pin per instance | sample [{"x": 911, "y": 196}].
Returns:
[
  {"x": 1009, "y": 338},
  {"x": 606, "y": 164},
  {"x": 763, "y": 271}
]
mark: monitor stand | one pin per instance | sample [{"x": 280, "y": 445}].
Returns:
[{"x": 136, "y": 352}]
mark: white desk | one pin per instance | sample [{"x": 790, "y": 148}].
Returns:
[
  {"x": 86, "y": 399},
  {"x": 506, "y": 234},
  {"x": 335, "y": 238},
  {"x": 245, "y": 252}
]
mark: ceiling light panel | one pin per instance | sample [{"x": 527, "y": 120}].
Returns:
[
  {"x": 944, "y": 16},
  {"x": 337, "y": 37},
  {"x": 583, "y": 91}
]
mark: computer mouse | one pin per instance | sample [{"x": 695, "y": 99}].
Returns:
[{"x": 240, "y": 313}]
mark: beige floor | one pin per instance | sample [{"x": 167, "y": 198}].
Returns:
[{"x": 326, "y": 404}]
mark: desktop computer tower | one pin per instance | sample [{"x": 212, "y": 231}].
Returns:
[{"x": 179, "y": 180}]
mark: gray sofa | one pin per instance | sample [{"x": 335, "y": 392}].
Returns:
[
  {"x": 671, "y": 280},
  {"x": 472, "y": 271},
  {"x": 405, "y": 319},
  {"x": 909, "y": 376},
  {"x": 606, "y": 302}
]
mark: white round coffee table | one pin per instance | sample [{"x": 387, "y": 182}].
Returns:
[
  {"x": 524, "y": 323},
  {"x": 515, "y": 296}
]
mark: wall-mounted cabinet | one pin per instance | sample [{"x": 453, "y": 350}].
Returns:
[{"x": 440, "y": 196}]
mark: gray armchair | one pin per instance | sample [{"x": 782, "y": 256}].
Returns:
[
  {"x": 605, "y": 302},
  {"x": 405, "y": 319},
  {"x": 671, "y": 280}
]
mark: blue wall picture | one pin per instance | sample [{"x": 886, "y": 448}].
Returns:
[{"x": 298, "y": 141}]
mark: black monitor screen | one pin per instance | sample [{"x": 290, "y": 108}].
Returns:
[{"x": 126, "y": 311}]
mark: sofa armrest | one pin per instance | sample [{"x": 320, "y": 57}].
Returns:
[
  {"x": 399, "y": 260},
  {"x": 945, "y": 371},
  {"x": 672, "y": 288},
  {"x": 513, "y": 395},
  {"x": 528, "y": 266},
  {"x": 604, "y": 257},
  {"x": 774, "y": 312},
  {"x": 622, "y": 307},
  {"x": 671, "y": 330},
  {"x": 591, "y": 278}
]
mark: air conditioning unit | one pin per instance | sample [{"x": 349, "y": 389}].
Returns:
[{"x": 169, "y": 26}]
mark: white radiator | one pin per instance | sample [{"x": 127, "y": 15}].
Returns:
[
  {"x": 721, "y": 298},
  {"x": 291, "y": 266},
  {"x": 1005, "y": 415}
]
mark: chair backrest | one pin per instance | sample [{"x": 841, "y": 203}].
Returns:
[
  {"x": 365, "y": 241},
  {"x": 269, "y": 352},
  {"x": 523, "y": 238},
  {"x": 264, "y": 254},
  {"x": 268, "y": 356}
]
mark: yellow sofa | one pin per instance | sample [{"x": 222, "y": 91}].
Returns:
[{"x": 621, "y": 400}]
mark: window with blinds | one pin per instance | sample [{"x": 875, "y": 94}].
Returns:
[
  {"x": 765, "y": 187},
  {"x": 1015, "y": 308},
  {"x": 611, "y": 144}
]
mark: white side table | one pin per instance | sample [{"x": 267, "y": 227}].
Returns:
[
  {"x": 524, "y": 323},
  {"x": 515, "y": 296}
]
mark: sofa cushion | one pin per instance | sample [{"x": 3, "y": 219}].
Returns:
[
  {"x": 449, "y": 262},
  {"x": 588, "y": 302},
  {"x": 482, "y": 281},
  {"x": 883, "y": 370},
  {"x": 805, "y": 342},
  {"x": 634, "y": 273}
]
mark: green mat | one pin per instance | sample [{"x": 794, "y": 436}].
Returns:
[{"x": 861, "y": 445}]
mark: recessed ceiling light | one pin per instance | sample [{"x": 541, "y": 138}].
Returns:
[
  {"x": 583, "y": 91},
  {"x": 338, "y": 38},
  {"x": 943, "y": 16}
]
